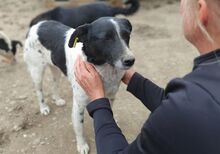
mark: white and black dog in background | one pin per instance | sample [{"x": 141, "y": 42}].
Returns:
[
  {"x": 8, "y": 48},
  {"x": 104, "y": 43},
  {"x": 77, "y": 16}
]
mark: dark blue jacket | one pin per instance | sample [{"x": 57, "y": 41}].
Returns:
[{"x": 184, "y": 119}]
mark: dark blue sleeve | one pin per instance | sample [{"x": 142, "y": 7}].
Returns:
[
  {"x": 109, "y": 138},
  {"x": 149, "y": 93}
]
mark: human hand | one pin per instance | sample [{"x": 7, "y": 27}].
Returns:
[
  {"x": 89, "y": 79},
  {"x": 127, "y": 76}
]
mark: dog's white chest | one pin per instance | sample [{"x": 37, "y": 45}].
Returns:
[{"x": 111, "y": 78}]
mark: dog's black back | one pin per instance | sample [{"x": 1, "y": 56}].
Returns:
[
  {"x": 77, "y": 16},
  {"x": 52, "y": 36}
]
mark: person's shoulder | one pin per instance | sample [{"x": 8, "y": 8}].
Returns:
[
  {"x": 181, "y": 91},
  {"x": 180, "y": 85},
  {"x": 185, "y": 98},
  {"x": 186, "y": 108}
]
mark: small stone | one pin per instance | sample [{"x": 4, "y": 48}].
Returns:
[
  {"x": 10, "y": 110},
  {"x": 33, "y": 134},
  {"x": 12, "y": 102},
  {"x": 14, "y": 92},
  {"x": 33, "y": 147},
  {"x": 22, "y": 97},
  {"x": 14, "y": 85},
  {"x": 25, "y": 135},
  {"x": 36, "y": 141},
  {"x": 22, "y": 150},
  {"x": 7, "y": 100},
  {"x": 17, "y": 128},
  {"x": 42, "y": 143}
]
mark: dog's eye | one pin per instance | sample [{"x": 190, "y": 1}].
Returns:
[{"x": 109, "y": 36}]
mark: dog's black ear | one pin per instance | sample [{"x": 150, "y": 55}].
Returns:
[
  {"x": 80, "y": 34},
  {"x": 126, "y": 23}
]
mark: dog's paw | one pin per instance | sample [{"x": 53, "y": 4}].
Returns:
[
  {"x": 44, "y": 109},
  {"x": 60, "y": 102},
  {"x": 83, "y": 148}
]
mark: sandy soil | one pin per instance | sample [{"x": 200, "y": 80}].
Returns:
[{"x": 161, "y": 53}]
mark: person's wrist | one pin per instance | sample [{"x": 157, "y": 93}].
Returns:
[
  {"x": 97, "y": 96},
  {"x": 126, "y": 79}
]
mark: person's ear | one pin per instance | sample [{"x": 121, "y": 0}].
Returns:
[
  {"x": 80, "y": 34},
  {"x": 203, "y": 12}
]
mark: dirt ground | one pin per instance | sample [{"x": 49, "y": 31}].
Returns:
[{"x": 161, "y": 54}]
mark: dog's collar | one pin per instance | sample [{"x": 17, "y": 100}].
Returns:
[{"x": 75, "y": 41}]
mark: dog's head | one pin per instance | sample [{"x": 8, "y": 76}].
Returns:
[
  {"x": 8, "y": 49},
  {"x": 106, "y": 40}
]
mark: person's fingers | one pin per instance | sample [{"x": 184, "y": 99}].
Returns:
[
  {"x": 81, "y": 72},
  {"x": 127, "y": 76},
  {"x": 83, "y": 65},
  {"x": 76, "y": 68},
  {"x": 90, "y": 68},
  {"x": 88, "y": 78},
  {"x": 80, "y": 64},
  {"x": 78, "y": 72}
]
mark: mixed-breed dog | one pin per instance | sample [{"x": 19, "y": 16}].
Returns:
[{"x": 57, "y": 37}]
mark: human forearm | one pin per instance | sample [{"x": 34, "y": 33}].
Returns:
[
  {"x": 149, "y": 93},
  {"x": 109, "y": 138}
]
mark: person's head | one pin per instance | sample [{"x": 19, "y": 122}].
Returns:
[{"x": 201, "y": 23}]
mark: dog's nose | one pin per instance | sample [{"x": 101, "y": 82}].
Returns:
[{"x": 128, "y": 62}]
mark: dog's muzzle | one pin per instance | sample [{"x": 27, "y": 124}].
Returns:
[{"x": 128, "y": 61}]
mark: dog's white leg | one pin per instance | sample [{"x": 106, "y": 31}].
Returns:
[
  {"x": 77, "y": 120},
  {"x": 56, "y": 80},
  {"x": 37, "y": 76}
]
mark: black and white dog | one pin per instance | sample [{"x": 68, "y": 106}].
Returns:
[
  {"x": 8, "y": 48},
  {"x": 77, "y": 16},
  {"x": 104, "y": 43}
]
